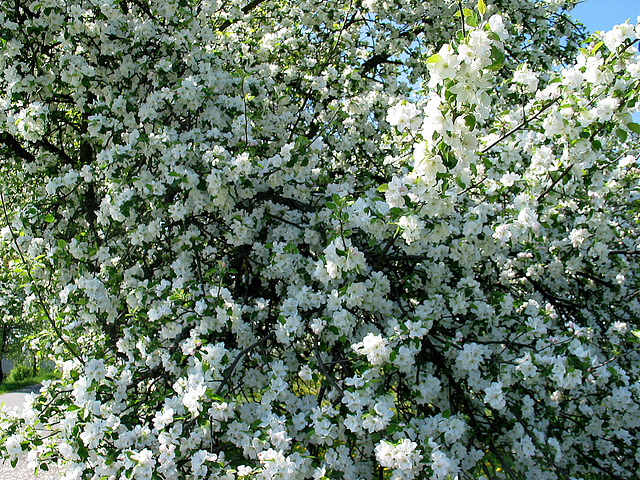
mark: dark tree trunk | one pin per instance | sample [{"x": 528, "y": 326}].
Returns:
[{"x": 3, "y": 347}]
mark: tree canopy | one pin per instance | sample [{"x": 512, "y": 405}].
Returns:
[{"x": 359, "y": 239}]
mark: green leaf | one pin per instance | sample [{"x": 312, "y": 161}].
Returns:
[
  {"x": 450, "y": 161},
  {"x": 596, "y": 47},
  {"x": 83, "y": 452},
  {"x": 634, "y": 127},
  {"x": 435, "y": 58},
  {"x": 383, "y": 188},
  {"x": 470, "y": 121},
  {"x": 621, "y": 134},
  {"x": 482, "y": 7},
  {"x": 498, "y": 58},
  {"x": 49, "y": 218},
  {"x": 62, "y": 243}
]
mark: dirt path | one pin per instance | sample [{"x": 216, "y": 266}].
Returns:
[
  {"x": 16, "y": 399},
  {"x": 22, "y": 473}
]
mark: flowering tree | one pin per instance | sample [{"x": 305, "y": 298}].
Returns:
[{"x": 324, "y": 239}]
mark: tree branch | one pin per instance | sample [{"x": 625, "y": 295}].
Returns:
[
  {"x": 555, "y": 182},
  {"x": 15, "y": 146},
  {"x": 523, "y": 124},
  {"x": 323, "y": 369},
  {"x": 229, "y": 371},
  {"x": 289, "y": 202},
  {"x": 246, "y": 9}
]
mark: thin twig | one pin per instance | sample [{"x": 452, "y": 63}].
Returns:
[
  {"x": 555, "y": 182},
  {"x": 522, "y": 124},
  {"x": 284, "y": 220},
  {"x": 464, "y": 30},
  {"x": 316, "y": 350}
]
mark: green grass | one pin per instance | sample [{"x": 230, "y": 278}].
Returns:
[{"x": 8, "y": 387}]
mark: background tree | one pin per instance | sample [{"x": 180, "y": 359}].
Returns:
[
  {"x": 17, "y": 330},
  {"x": 262, "y": 253}
]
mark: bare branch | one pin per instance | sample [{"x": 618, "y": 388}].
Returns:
[
  {"x": 523, "y": 124},
  {"x": 229, "y": 371}
]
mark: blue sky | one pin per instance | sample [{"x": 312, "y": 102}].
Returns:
[{"x": 604, "y": 14}]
